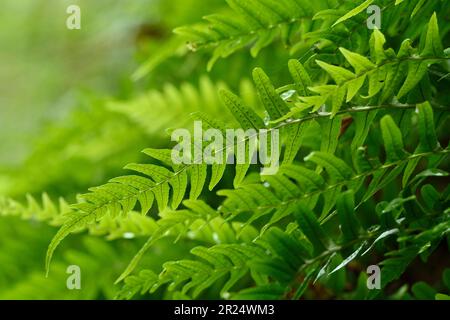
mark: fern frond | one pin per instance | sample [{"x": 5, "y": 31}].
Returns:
[
  {"x": 157, "y": 110},
  {"x": 217, "y": 262},
  {"x": 121, "y": 194},
  {"x": 294, "y": 249},
  {"x": 297, "y": 190},
  {"x": 56, "y": 214},
  {"x": 49, "y": 212},
  {"x": 277, "y": 258},
  {"x": 385, "y": 76},
  {"x": 156, "y": 182},
  {"x": 200, "y": 222},
  {"x": 295, "y": 183},
  {"x": 97, "y": 259},
  {"x": 256, "y": 23},
  {"x": 412, "y": 245}
]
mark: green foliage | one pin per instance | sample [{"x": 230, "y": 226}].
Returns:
[{"x": 363, "y": 176}]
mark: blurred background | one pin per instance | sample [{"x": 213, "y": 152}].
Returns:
[{"x": 45, "y": 65}]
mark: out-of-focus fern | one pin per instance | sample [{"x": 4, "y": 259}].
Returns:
[
  {"x": 159, "y": 110},
  {"x": 253, "y": 22},
  {"x": 96, "y": 275},
  {"x": 48, "y": 212}
]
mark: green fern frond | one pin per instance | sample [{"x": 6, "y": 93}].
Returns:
[
  {"x": 277, "y": 258},
  {"x": 256, "y": 23},
  {"x": 200, "y": 222},
  {"x": 49, "y": 212},
  {"x": 384, "y": 77},
  {"x": 121, "y": 194},
  {"x": 314, "y": 252},
  {"x": 310, "y": 251},
  {"x": 295, "y": 183},
  {"x": 217, "y": 262},
  {"x": 157, "y": 110},
  {"x": 274, "y": 232}
]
